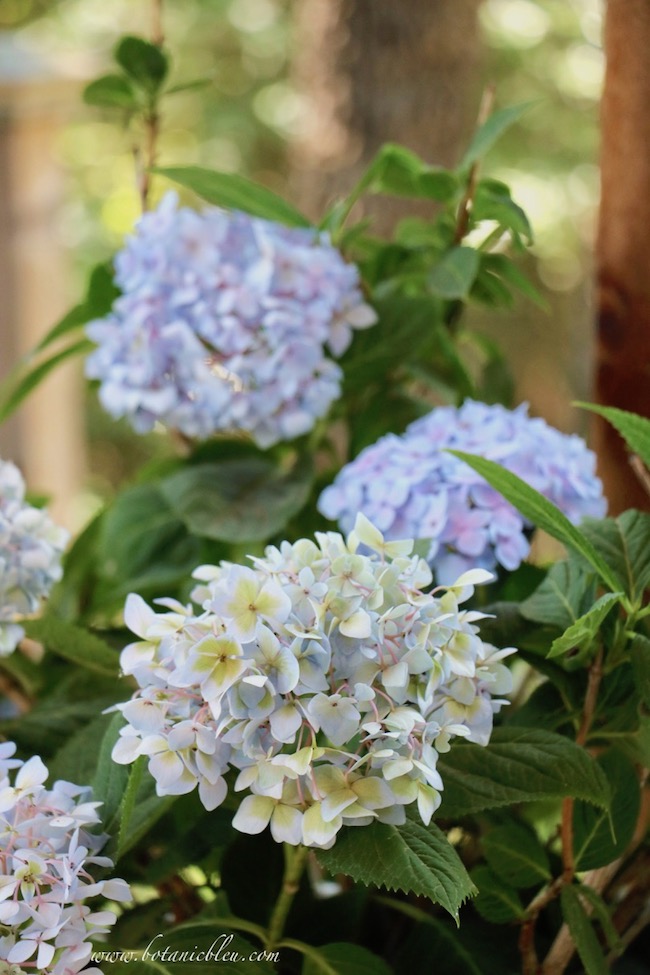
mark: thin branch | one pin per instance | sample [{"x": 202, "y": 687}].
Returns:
[
  {"x": 641, "y": 471},
  {"x": 462, "y": 221}
]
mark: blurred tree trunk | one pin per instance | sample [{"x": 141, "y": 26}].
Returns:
[
  {"x": 623, "y": 248},
  {"x": 377, "y": 71}
]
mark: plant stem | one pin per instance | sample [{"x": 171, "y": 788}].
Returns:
[
  {"x": 462, "y": 220},
  {"x": 295, "y": 858}
]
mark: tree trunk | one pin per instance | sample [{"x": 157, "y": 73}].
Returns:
[
  {"x": 623, "y": 247},
  {"x": 377, "y": 71}
]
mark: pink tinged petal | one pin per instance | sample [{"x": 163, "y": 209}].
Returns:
[
  {"x": 286, "y": 825},
  {"x": 254, "y": 814},
  {"x": 212, "y": 794}
]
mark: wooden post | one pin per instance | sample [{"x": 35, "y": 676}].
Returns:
[
  {"x": 376, "y": 71},
  {"x": 623, "y": 247},
  {"x": 46, "y": 437}
]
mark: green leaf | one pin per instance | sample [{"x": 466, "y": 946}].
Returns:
[
  {"x": 496, "y": 901},
  {"x": 510, "y": 273},
  {"x": 143, "y": 61},
  {"x": 343, "y": 959},
  {"x": 541, "y": 512},
  {"x": 561, "y": 597},
  {"x": 110, "y": 779},
  {"x": 582, "y": 931},
  {"x": 601, "y": 912},
  {"x": 624, "y": 543},
  {"x": 33, "y": 377},
  {"x": 75, "y": 644},
  {"x": 170, "y": 953},
  {"x": 633, "y": 428},
  {"x": 593, "y": 843},
  {"x": 583, "y": 632},
  {"x": 111, "y": 91},
  {"x": 515, "y": 854},
  {"x": 492, "y": 201},
  {"x": 518, "y": 765},
  {"x": 240, "y": 500},
  {"x": 491, "y": 131},
  {"x": 195, "y": 85},
  {"x": 127, "y": 806},
  {"x": 76, "y": 760},
  {"x": 454, "y": 275},
  {"x": 235, "y": 192},
  {"x": 101, "y": 292},
  {"x": 413, "y": 858},
  {"x": 397, "y": 171}
]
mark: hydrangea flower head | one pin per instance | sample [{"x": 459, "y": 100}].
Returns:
[
  {"x": 226, "y": 323},
  {"x": 31, "y": 547},
  {"x": 411, "y": 486},
  {"x": 46, "y": 858},
  {"x": 327, "y": 679}
]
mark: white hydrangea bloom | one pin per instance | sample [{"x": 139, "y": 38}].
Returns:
[
  {"x": 330, "y": 679},
  {"x": 46, "y": 859},
  {"x": 31, "y": 548}
]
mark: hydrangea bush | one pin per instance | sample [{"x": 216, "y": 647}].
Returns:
[
  {"x": 317, "y": 686},
  {"x": 31, "y": 548},
  {"x": 225, "y": 323},
  {"x": 411, "y": 485},
  {"x": 331, "y": 680}
]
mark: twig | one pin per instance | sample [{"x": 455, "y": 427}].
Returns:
[
  {"x": 157, "y": 32},
  {"x": 530, "y": 961},
  {"x": 462, "y": 221},
  {"x": 146, "y": 157}
]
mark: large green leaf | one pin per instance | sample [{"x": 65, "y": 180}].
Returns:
[
  {"x": 515, "y": 854},
  {"x": 239, "y": 500},
  {"x": 640, "y": 653},
  {"x": 582, "y": 932},
  {"x": 541, "y": 512},
  {"x": 519, "y": 765},
  {"x": 343, "y": 958},
  {"x": 34, "y": 376},
  {"x": 624, "y": 543},
  {"x": 144, "y": 62},
  {"x": 399, "y": 172},
  {"x": 562, "y": 596},
  {"x": 235, "y": 192},
  {"x": 598, "y": 836},
  {"x": 414, "y": 858},
  {"x": 491, "y": 131},
  {"x": 497, "y": 901},
  {"x": 633, "y": 428},
  {"x": 581, "y": 634},
  {"x": 110, "y": 779},
  {"x": 75, "y": 644},
  {"x": 454, "y": 275}
]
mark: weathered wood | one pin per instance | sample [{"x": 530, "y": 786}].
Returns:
[
  {"x": 376, "y": 71},
  {"x": 623, "y": 247}
]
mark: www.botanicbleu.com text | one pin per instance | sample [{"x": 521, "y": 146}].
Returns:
[{"x": 218, "y": 951}]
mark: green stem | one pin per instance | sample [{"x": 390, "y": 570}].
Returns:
[{"x": 295, "y": 858}]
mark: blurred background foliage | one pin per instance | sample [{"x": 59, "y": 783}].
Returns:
[{"x": 244, "y": 120}]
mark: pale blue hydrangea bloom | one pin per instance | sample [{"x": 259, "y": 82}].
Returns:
[
  {"x": 31, "y": 548},
  {"x": 329, "y": 679},
  {"x": 409, "y": 486},
  {"x": 48, "y": 853},
  {"x": 226, "y": 323}
]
